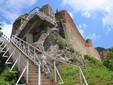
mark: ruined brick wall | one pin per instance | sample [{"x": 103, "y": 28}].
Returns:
[
  {"x": 88, "y": 43},
  {"x": 74, "y": 37}
]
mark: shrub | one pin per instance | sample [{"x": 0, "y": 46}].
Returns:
[
  {"x": 109, "y": 62},
  {"x": 90, "y": 58},
  {"x": 61, "y": 43},
  {"x": 106, "y": 63}
]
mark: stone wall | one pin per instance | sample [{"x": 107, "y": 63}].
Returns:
[
  {"x": 66, "y": 28},
  {"x": 48, "y": 11},
  {"x": 74, "y": 37}
]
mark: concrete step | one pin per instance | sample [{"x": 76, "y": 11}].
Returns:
[
  {"x": 47, "y": 83},
  {"x": 33, "y": 71},
  {"x": 35, "y": 80},
  {"x": 43, "y": 83},
  {"x": 33, "y": 74},
  {"x": 36, "y": 77}
]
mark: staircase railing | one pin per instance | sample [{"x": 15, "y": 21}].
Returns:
[
  {"x": 32, "y": 53},
  {"x": 50, "y": 63},
  {"x": 41, "y": 14},
  {"x": 16, "y": 57},
  {"x": 36, "y": 50}
]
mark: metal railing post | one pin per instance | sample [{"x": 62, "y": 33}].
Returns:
[
  {"x": 28, "y": 50},
  {"x": 80, "y": 77},
  {"x": 20, "y": 76},
  {"x": 83, "y": 76},
  {"x": 34, "y": 54},
  {"x": 39, "y": 74},
  {"x": 55, "y": 70},
  {"x": 35, "y": 58},
  {"x": 27, "y": 71},
  {"x": 19, "y": 62}
]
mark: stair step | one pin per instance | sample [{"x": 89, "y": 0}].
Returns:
[
  {"x": 43, "y": 80},
  {"x": 32, "y": 64},
  {"x": 46, "y": 83},
  {"x": 33, "y": 74},
  {"x": 33, "y": 67},
  {"x": 36, "y": 77},
  {"x": 43, "y": 83},
  {"x": 33, "y": 71}
]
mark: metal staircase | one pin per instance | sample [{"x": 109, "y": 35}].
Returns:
[
  {"x": 36, "y": 11},
  {"x": 34, "y": 66}
]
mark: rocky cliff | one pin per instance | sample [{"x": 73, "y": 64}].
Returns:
[{"x": 43, "y": 29}]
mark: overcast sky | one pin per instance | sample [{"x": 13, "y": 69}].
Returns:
[{"x": 93, "y": 18}]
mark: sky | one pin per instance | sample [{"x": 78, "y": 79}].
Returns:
[{"x": 93, "y": 18}]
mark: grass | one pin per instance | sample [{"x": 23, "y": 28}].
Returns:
[
  {"x": 98, "y": 76},
  {"x": 95, "y": 72},
  {"x": 69, "y": 74}
]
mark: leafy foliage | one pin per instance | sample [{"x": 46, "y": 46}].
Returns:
[
  {"x": 92, "y": 61},
  {"x": 61, "y": 43},
  {"x": 109, "y": 62},
  {"x": 6, "y": 77},
  {"x": 100, "y": 49},
  {"x": 1, "y": 33}
]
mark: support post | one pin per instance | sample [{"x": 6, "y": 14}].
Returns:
[
  {"x": 80, "y": 77},
  {"x": 39, "y": 74},
  {"x": 28, "y": 50},
  {"x": 83, "y": 76},
  {"x": 27, "y": 71},
  {"x": 55, "y": 70},
  {"x": 14, "y": 65}
]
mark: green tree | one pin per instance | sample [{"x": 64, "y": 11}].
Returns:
[
  {"x": 1, "y": 33},
  {"x": 109, "y": 62}
]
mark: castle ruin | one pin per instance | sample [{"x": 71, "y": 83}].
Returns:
[{"x": 41, "y": 26}]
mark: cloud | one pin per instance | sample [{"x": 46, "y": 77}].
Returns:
[
  {"x": 93, "y": 36},
  {"x": 11, "y": 9},
  {"x": 6, "y": 29},
  {"x": 82, "y": 28},
  {"x": 88, "y": 8}
]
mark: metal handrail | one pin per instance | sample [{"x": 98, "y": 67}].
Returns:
[
  {"x": 14, "y": 38},
  {"x": 21, "y": 75},
  {"x": 16, "y": 59},
  {"x": 54, "y": 58}
]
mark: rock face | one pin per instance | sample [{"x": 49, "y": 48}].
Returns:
[
  {"x": 102, "y": 52},
  {"x": 74, "y": 37},
  {"x": 45, "y": 26}
]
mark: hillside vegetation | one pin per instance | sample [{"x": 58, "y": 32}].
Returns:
[
  {"x": 109, "y": 61},
  {"x": 100, "y": 49},
  {"x": 95, "y": 72}
]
